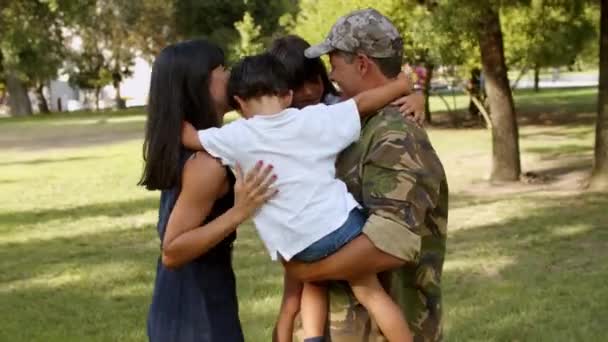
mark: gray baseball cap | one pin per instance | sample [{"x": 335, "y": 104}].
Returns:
[{"x": 366, "y": 31}]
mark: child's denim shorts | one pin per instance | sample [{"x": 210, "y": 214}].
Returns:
[{"x": 335, "y": 240}]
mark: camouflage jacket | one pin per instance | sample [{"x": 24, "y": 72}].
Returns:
[{"x": 396, "y": 174}]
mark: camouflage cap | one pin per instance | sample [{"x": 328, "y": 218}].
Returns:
[{"x": 366, "y": 31}]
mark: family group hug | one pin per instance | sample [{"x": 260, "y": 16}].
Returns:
[{"x": 335, "y": 170}]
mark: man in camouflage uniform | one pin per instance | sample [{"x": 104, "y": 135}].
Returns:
[{"x": 395, "y": 173}]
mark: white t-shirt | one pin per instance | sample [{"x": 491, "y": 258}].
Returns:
[{"x": 302, "y": 145}]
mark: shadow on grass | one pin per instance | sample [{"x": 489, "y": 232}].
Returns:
[
  {"x": 566, "y": 168},
  {"x": 545, "y": 116},
  {"x": 77, "y": 312},
  {"x": 90, "y": 287},
  {"x": 555, "y": 151},
  {"x": 557, "y": 107},
  {"x": 460, "y": 200},
  {"x": 551, "y": 289},
  {"x": 552, "y": 285},
  {"x": 583, "y": 133},
  {"x": 111, "y": 209},
  {"x": 528, "y": 116},
  {"x": 99, "y": 305},
  {"x": 549, "y": 107},
  {"x": 39, "y": 257}
]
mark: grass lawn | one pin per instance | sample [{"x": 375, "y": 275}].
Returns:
[
  {"x": 78, "y": 245},
  {"x": 528, "y": 101}
]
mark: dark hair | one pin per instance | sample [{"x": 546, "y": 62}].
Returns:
[
  {"x": 256, "y": 76},
  {"x": 290, "y": 51},
  {"x": 390, "y": 66},
  {"x": 179, "y": 90}
]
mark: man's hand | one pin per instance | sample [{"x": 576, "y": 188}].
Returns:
[{"x": 190, "y": 137}]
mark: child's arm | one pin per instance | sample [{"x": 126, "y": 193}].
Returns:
[
  {"x": 219, "y": 142},
  {"x": 412, "y": 107},
  {"x": 372, "y": 100},
  {"x": 190, "y": 137}
]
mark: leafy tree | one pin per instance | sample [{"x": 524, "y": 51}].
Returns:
[
  {"x": 32, "y": 46},
  {"x": 268, "y": 15},
  {"x": 481, "y": 21},
  {"x": 598, "y": 10},
  {"x": 589, "y": 55},
  {"x": 22, "y": 50},
  {"x": 153, "y": 27},
  {"x": 89, "y": 69},
  {"x": 108, "y": 35},
  {"x": 424, "y": 44},
  {"x": 543, "y": 35},
  {"x": 249, "y": 33},
  {"x": 214, "y": 19},
  {"x": 428, "y": 45}
]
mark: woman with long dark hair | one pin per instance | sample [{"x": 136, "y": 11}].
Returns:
[{"x": 201, "y": 202}]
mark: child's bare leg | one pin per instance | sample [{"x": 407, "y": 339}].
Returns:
[
  {"x": 382, "y": 308},
  {"x": 290, "y": 306},
  {"x": 314, "y": 310}
]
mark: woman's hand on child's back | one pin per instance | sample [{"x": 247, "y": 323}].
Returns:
[
  {"x": 253, "y": 190},
  {"x": 190, "y": 137}
]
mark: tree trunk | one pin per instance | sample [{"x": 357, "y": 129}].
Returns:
[
  {"x": 2, "y": 96},
  {"x": 506, "y": 164},
  {"x": 97, "y": 92},
  {"x": 120, "y": 102},
  {"x": 18, "y": 100},
  {"x": 43, "y": 105},
  {"x": 430, "y": 68},
  {"x": 599, "y": 178},
  {"x": 536, "y": 78}
]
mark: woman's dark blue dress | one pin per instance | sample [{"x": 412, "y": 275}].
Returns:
[{"x": 197, "y": 302}]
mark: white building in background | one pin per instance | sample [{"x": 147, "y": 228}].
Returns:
[
  {"x": 62, "y": 97},
  {"x": 133, "y": 89}
]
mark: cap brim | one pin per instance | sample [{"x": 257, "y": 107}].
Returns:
[{"x": 318, "y": 50}]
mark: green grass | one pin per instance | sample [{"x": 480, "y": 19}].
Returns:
[
  {"x": 573, "y": 100},
  {"x": 78, "y": 244}
]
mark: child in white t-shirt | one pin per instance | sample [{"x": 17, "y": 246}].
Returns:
[{"x": 313, "y": 215}]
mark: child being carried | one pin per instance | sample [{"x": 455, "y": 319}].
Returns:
[{"x": 313, "y": 215}]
